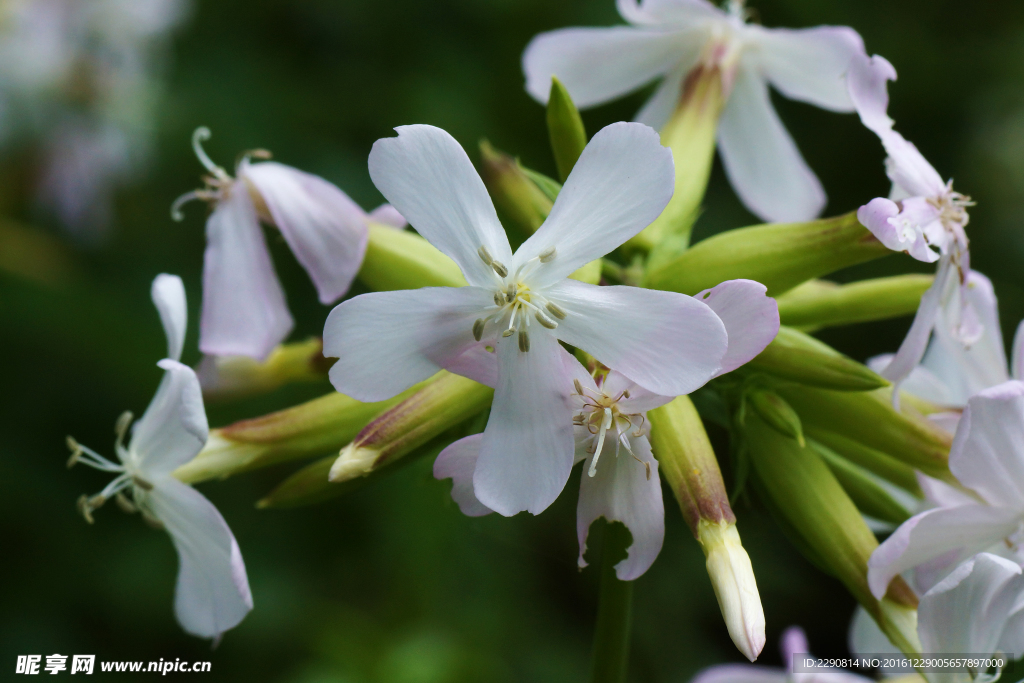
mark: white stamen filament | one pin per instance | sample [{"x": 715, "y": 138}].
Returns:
[
  {"x": 201, "y": 134},
  {"x": 606, "y": 423}
]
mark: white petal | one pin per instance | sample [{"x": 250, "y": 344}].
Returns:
[
  {"x": 387, "y": 341},
  {"x": 884, "y": 218},
  {"x": 921, "y": 381},
  {"x": 385, "y": 214},
  {"x": 428, "y": 178},
  {"x": 244, "y": 311},
  {"x": 807, "y": 64},
  {"x": 212, "y": 594},
  {"x": 174, "y": 428},
  {"x": 457, "y": 462},
  {"x": 323, "y": 227},
  {"x": 600, "y": 64},
  {"x": 908, "y": 169},
  {"x": 1017, "y": 362},
  {"x": 622, "y": 181},
  {"x": 741, "y": 673},
  {"x": 668, "y": 343},
  {"x": 867, "y": 81},
  {"x": 950, "y": 534},
  {"x": 640, "y": 400},
  {"x": 968, "y": 610},
  {"x": 477, "y": 363},
  {"x": 750, "y": 316},
  {"x": 621, "y": 492},
  {"x": 658, "y": 109},
  {"x": 168, "y": 294},
  {"x": 671, "y": 12},
  {"x": 761, "y": 159},
  {"x": 987, "y": 454},
  {"x": 527, "y": 450},
  {"x": 942, "y": 494}
]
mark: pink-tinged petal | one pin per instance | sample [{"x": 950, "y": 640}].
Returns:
[
  {"x": 867, "y": 81},
  {"x": 427, "y": 177},
  {"x": 668, "y": 12},
  {"x": 244, "y": 310},
  {"x": 750, "y": 316},
  {"x": 741, "y": 673},
  {"x": 174, "y": 428},
  {"x": 794, "y": 642},
  {"x": 949, "y": 420},
  {"x": 908, "y": 169},
  {"x": 387, "y": 341},
  {"x": 668, "y": 343},
  {"x": 168, "y": 294},
  {"x": 640, "y": 400},
  {"x": 1013, "y": 631},
  {"x": 620, "y": 491},
  {"x": 921, "y": 381},
  {"x": 916, "y": 342},
  {"x": 659, "y": 108},
  {"x": 622, "y": 181},
  {"x": 807, "y": 64},
  {"x": 968, "y": 610},
  {"x": 323, "y": 227},
  {"x": 385, "y": 214},
  {"x": 941, "y": 494},
  {"x": 956, "y": 533},
  {"x": 212, "y": 593},
  {"x": 761, "y": 159},
  {"x": 987, "y": 454},
  {"x": 890, "y": 225},
  {"x": 628, "y": 57},
  {"x": 477, "y": 363},
  {"x": 527, "y": 449},
  {"x": 1017, "y": 362},
  {"x": 457, "y": 462}
]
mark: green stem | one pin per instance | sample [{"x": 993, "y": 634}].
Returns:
[{"x": 614, "y": 611}]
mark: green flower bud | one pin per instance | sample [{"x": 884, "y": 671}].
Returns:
[
  {"x": 778, "y": 255},
  {"x": 798, "y": 357},
  {"x": 400, "y": 259},
  {"x": 565, "y": 127},
  {"x": 867, "y": 494},
  {"x": 819, "y": 303},
  {"x": 230, "y": 377},
  {"x": 520, "y": 200},
  {"x": 874, "y": 461},
  {"x": 778, "y": 414}
]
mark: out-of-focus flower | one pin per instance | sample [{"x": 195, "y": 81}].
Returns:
[
  {"x": 670, "y": 40},
  {"x": 524, "y": 304},
  {"x": 244, "y": 309},
  {"x": 212, "y": 593},
  {"x": 922, "y": 214}
]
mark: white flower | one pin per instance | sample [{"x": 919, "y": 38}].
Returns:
[
  {"x": 522, "y": 304},
  {"x": 668, "y": 39},
  {"x": 923, "y": 214},
  {"x": 987, "y": 459},
  {"x": 212, "y": 593},
  {"x": 244, "y": 310}
]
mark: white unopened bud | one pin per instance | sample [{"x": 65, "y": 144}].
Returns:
[{"x": 735, "y": 587}]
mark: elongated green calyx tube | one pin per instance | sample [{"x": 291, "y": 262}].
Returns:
[
  {"x": 565, "y": 127},
  {"x": 688, "y": 463},
  {"x": 813, "y": 504},
  {"x": 819, "y": 303},
  {"x": 874, "y": 461},
  {"x": 778, "y": 414},
  {"x": 314, "y": 428},
  {"x": 799, "y": 357},
  {"x": 864, "y": 490},
  {"x": 867, "y": 417},
  {"x": 779, "y": 255},
  {"x": 519, "y": 199},
  {"x": 400, "y": 259},
  {"x": 229, "y": 377},
  {"x": 690, "y": 134}
]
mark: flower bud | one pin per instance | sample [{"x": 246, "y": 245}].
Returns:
[
  {"x": 778, "y": 414},
  {"x": 565, "y": 127},
  {"x": 798, "y": 357},
  {"x": 819, "y": 303},
  {"x": 230, "y": 377},
  {"x": 733, "y": 579},
  {"x": 867, "y": 494},
  {"x": 515, "y": 194},
  {"x": 778, "y": 255},
  {"x": 399, "y": 259},
  {"x": 874, "y": 461}
]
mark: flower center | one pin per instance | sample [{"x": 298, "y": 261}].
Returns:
[
  {"x": 600, "y": 414},
  {"x": 952, "y": 207}
]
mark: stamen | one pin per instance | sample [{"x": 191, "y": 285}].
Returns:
[
  {"x": 499, "y": 300},
  {"x": 579, "y": 387},
  {"x": 85, "y": 509},
  {"x": 121, "y": 427},
  {"x": 545, "y": 321},
  {"x": 606, "y": 423},
  {"x": 485, "y": 255},
  {"x": 125, "y": 504},
  {"x": 509, "y": 332},
  {"x": 510, "y": 293},
  {"x": 142, "y": 483},
  {"x": 152, "y": 521},
  {"x": 555, "y": 311},
  {"x": 261, "y": 154},
  {"x": 625, "y": 393},
  {"x": 76, "y": 451},
  {"x": 478, "y": 329},
  {"x": 201, "y": 134},
  {"x": 548, "y": 255},
  {"x": 176, "y": 214},
  {"x": 524, "y": 341},
  {"x": 499, "y": 268}
]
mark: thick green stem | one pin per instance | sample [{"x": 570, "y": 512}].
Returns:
[{"x": 614, "y": 611}]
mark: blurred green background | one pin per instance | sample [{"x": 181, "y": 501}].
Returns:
[{"x": 391, "y": 584}]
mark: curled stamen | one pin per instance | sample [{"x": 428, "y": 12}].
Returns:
[
  {"x": 485, "y": 255},
  {"x": 201, "y": 134},
  {"x": 555, "y": 311},
  {"x": 548, "y": 255},
  {"x": 478, "y": 329},
  {"x": 545, "y": 321},
  {"x": 524, "y": 341}
]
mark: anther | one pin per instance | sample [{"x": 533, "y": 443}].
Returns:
[
  {"x": 509, "y": 332},
  {"x": 625, "y": 394},
  {"x": 142, "y": 483},
  {"x": 485, "y": 255},
  {"x": 499, "y": 299},
  {"x": 152, "y": 521},
  {"x": 125, "y": 504},
  {"x": 84, "y": 509},
  {"x": 76, "y": 451},
  {"x": 548, "y": 255},
  {"x": 579, "y": 387},
  {"x": 121, "y": 426},
  {"x": 499, "y": 268},
  {"x": 478, "y": 329},
  {"x": 555, "y": 311},
  {"x": 524, "y": 341},
  {"x": 510, "y": 293},
  {"x": 545, "y": 321}
]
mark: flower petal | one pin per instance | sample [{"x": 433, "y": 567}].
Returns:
[
  {"x": 622, "y": 181},
  {"x": 527, "y": 449},
  {"x": 741, "y": 673},
  {"x": 244, "y": 311},
  {"x": 867, "y": 80},
  {"x": 1017, "y": 362},
  {"x": 385, "y": 214},
  {"x": 428, "y": 178},
  {"x": 884, "y": 219},
  {"x": 807, "y": 64},
  {"x": 668, "y": 343},
  {"x": 323, "y": 227},
  {"x": 761, "y": 159},
  {"x": 477, "y": 363},
  {"x": 620, "y": 491},
  {"x": 673, "y": 12},
  {"x": 168, "y": 294},
  {"x": 174, "y": 428},
  {"x": 212, "y": 593},
  {"x": 640, "y": 400},
  {"x": 953, "y": 533},
  {"x": 751, "y": 319},
  {"x": 628, "y": 57},
  {"x": 387, "y": 341},
  {"x": 908, "y": 169},
  {"x": 987, "y": 454},
  {"x": 457, "y": 462}
]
